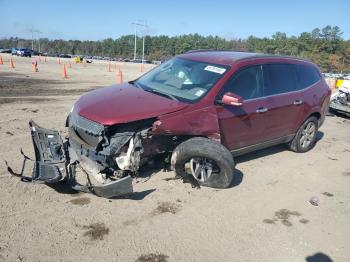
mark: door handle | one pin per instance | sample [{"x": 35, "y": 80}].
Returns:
[
  {"x": 297, "y": 102},
  {"x": 261, "y": 110}
]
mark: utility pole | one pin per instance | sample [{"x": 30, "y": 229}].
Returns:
[
  {"x": 31, "y": 30},
  {"x": 143, "y": 48},
  {"x": 39, "y": 42},
  {"x": 143, "y": 40},
  {"x": 135, "y": 41}
]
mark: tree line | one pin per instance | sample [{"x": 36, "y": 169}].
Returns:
[{"x": 325, "y": 46}]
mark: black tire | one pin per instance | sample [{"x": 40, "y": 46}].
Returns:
[
  {"x": 296, "y": 144},
  {"x": 213, "y": 153}
]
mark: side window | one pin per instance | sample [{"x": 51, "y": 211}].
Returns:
[
  {"x": 245, "y": 83},
  {"x": 307, "y": 76},
  {"x": 279, "y": 78}
]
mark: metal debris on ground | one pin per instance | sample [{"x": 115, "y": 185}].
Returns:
[{"x": 314, "y": 201}]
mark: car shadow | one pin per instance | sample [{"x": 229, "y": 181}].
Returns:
[
  {"x": 319, "y": 257},
  {"x": 63, "y": 187},
  {"x": 136, "y": 195},
  {"x": 269, "y": 151},
  {"x": 333, "y": 113},
  {"x": 260, "y": 153},
  {"x": 237, "y": 178},
  {"x": 319, "y": 136}
]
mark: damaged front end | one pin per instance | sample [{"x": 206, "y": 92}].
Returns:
[
  {"x": 340, "y": 101},
  {"x": 109, "y": 156},
  {"x": 104, "y": 158}
]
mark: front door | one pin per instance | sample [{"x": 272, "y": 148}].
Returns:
[{"x": 244, "y": 125}]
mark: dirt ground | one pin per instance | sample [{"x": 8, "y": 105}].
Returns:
[{"x": 265, "y": 216}]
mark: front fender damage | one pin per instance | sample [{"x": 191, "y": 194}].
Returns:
[
  {"x": 201, "y": 122},
  {"x": 54, "y": 163}
]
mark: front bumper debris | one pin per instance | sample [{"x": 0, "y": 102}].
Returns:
[{"x": 52, "y": 164}]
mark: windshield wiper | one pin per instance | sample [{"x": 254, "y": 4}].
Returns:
[
  {"x": 154, "y": 91},
  {"x": 136, "y": 84}
]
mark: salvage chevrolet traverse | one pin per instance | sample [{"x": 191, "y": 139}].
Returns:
[{"x": 197, "y": 110}]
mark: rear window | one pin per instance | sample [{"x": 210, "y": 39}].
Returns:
[
  {"x": 307, "y": 76},
  {"x": 279, "y": 78}
]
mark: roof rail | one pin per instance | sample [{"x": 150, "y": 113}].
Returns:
[
  {"x": 201, "y": 50},
  {"x": 254, "y": 55},
  {"x": 213, "y": 50}
]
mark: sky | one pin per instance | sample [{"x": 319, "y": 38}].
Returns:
[{"x": 97, "y": 20}]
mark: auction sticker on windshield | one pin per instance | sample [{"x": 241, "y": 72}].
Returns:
[
  {"x": 215, "y": 69},
  {"x": 199, "y": 92}
]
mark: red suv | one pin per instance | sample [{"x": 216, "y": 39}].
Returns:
[{"x": 197, "y": 110}]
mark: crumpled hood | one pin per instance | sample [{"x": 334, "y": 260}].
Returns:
[{"x": 123, "y": 103}]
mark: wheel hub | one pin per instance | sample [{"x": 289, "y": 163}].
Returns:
[
  {"x": 307, "y": 135},
  {"x": 201, "y": 168}
]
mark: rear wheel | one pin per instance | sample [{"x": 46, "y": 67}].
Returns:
[
  {"x": 207, "y": 161},
  {"x": 305, "y": 138}
]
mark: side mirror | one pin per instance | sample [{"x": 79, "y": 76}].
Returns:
[{"x": 232, "y": 99}]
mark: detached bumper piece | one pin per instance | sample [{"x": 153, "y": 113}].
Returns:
[
  {"x": 115, "y": 188},
  {"x": 52, "y": 164},
  {"x": 50, "y": 157},
  {"x": 42, "y": 173}
]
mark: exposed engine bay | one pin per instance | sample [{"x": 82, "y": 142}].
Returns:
[{"x": 111, "y": 154}]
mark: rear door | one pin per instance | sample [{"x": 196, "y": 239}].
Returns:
[
  {"x": 283, "y": 100},
  {"x": 242, "y": 126}
]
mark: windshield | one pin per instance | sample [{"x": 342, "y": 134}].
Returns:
[{"x": 182, "y": 79}]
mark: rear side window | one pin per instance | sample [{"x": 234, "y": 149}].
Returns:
[
  {"x": 245, "y": 83},
  {"x": 279, "y": 78},
  {"x": 307, "y": 76}
]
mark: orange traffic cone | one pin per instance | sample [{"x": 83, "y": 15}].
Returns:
[
  {"x": 120, "y": 77},
  {"x": 1, "y": 62},
  {"x": 64, "y": 72},
  {"x": 11, "y": 64},
  {"x": 141, "y": 67},
  {"x": 35, "y": 67},
  {"x": 59, "y": 61}
]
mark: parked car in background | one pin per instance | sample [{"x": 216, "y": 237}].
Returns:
[
  {"x": 78, "y": 59},
  {"x": 49, "y": 54},
  {"x": 340, "y": 100},
  {"x": 156, "y": 62},
  {"x": 138, "y": 61},
  {"x": 88, "y": 59},
  {"x": 5, "y": 50},
  {"x": 25, "y": 52},
  {"x": 14, "y": 51},
  {"x": 65, "y": 56}
]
